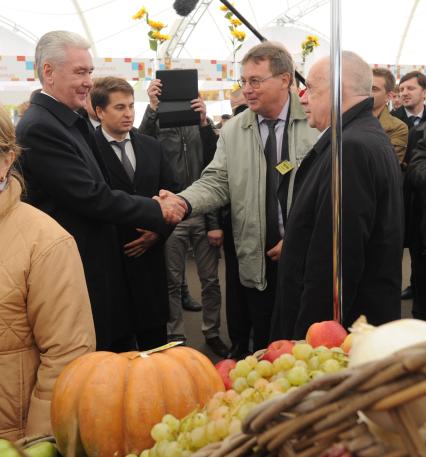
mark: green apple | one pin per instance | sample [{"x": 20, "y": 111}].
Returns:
[{"x": 43, "y": 449}]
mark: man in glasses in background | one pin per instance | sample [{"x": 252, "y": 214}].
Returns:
[{"x": 253, "y": 169}]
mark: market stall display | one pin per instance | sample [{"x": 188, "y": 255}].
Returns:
[
  {"x": 322, "y": 418},
  {"x": 251, "y": 382},
  {"x": 105, "y": 404},
  {"x": 302, "y": 402}
]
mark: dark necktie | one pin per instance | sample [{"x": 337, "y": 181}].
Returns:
[
  {"x": 272, "y": 179},
  {"x": 414, "y": 121},
  {"x": 127, "y": 165}
]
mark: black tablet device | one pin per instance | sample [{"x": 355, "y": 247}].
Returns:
[{"x": 179, "y": 87}]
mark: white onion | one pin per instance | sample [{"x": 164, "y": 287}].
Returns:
[{"x": 374, "y": 343}]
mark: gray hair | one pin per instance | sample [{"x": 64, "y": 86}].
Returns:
[
  {"x": 356, "y": 74},
  {"x": 52, "y": 46},
  {"x": 280, "y": 60}
]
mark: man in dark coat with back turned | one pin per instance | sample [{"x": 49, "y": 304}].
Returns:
[
  {"x": 372, "y": 227},
  {"x": 64, "y": 180}
]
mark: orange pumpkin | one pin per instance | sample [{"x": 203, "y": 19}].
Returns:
[{"x": 105, "y": 404}]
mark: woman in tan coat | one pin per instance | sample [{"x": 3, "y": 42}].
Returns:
[{"x": 45, "y": 315}]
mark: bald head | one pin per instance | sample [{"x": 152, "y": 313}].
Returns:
[
  {"x": 356, "y": 75},
  {"x": 356, "y": 86}
]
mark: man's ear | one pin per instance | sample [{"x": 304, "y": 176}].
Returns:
[
  {"x": 286, "y": 79},
  {"x": 48, "y": 69},
  {"x": 99, "y": 113}
]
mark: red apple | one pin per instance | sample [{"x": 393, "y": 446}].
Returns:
[
  {"x": 327, "y": 333},
  {"x": 278, "y": 348},
  {"x": 224, "y": 367}
]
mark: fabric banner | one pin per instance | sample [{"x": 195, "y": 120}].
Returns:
[{"x": 21, "y": 68}]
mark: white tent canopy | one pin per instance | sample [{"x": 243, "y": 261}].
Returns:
[
  {"x": 381, "y": 31},
  {"x": 374, "y": 29}
]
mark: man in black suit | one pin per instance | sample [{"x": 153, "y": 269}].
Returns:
[
  {"x": 371, "y": 213},
  {"x": 412, "y": 93},
  {"x": 113, "y": 101},
  {"x": 64, "y": 180}
]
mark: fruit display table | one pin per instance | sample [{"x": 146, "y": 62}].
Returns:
[
  {"x": 322, "y": 418},
  {"x": 294, "y": 399}
]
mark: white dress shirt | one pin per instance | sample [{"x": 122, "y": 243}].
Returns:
[
  {"x": 128, "y": 147},
  {"x": 419, "y": 116},
  {"x": 279, "y": 133}
]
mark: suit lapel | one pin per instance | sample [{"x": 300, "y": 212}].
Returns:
[
  {"x": 142, "y": 159},
  {"x": 79, "y": 133},
  {"x": 112, "y": 162}
]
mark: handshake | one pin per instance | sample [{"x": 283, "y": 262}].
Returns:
[{"x": 174, "y": 208}]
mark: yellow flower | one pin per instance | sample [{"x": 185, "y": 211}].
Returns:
[
  {"x": 156, "y": 35},
  {"x": 223, "y": 8},
  {"x": 157, "y": 25},
  {"x": 235, "y": 22},
  {"x": 140, "y": 14},
  {"x": 235, "y": 87},
  {"x": 238, "y": 34}
]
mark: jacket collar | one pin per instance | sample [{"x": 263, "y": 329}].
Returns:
[
  {"x": 58, "y": 109},
  {"x": 385, "y": 115},
  {"x": 360, "y": 108},
  {"x": 296, "y": 112},
  {"x": 10, "y": 196}
]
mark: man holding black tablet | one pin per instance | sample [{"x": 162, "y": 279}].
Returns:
[{"x": 189, "y": 148}]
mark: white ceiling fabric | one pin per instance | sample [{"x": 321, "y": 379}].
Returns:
[{"x": 373, "y": 28}]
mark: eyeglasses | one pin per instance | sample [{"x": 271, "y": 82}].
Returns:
[{"x": 254, "y": 83}]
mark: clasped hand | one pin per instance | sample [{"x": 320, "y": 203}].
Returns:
[
  {"x": 137, "y": 247},
  {"x": 173, "y": 207}
]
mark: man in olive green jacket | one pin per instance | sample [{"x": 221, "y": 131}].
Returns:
[
  {"x": 395, "y": 129},
  {"x": 238, "y": 174}
]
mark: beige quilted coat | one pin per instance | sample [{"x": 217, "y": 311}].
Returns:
[{"x": 45, "y": 315}]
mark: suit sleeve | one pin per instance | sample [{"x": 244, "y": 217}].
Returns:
[
  {"x": 60, "y": 316},
  {"x": 56, "y": 167}
]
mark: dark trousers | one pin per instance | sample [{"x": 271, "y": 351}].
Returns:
[
  {"x": 152, "y": 338},
  {"x": 412, "y": 280},
  {"x": 124, "y": 344},
  {"x": 237, "y": 316},
  {"x": 149, "y": 338},
  {"x": 260, "y": 306},
  {"x": 418, "y": 262}
]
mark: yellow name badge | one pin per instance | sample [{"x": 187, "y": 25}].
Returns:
[{"x": 284, "y": 167}]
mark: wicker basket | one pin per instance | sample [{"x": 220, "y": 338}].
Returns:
[{"x": 322, "y": 418}]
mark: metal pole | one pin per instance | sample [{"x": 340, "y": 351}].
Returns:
[{"x": 336, "y": 155}]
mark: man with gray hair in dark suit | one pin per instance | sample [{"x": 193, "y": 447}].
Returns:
[{"x": 65, "y": 180}]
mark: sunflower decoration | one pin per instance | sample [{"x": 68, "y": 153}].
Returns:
[
  {"x": 155, "y": 35},
  {"x": 237, "y": 35},
  {"x": 310, "y": 43}
]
